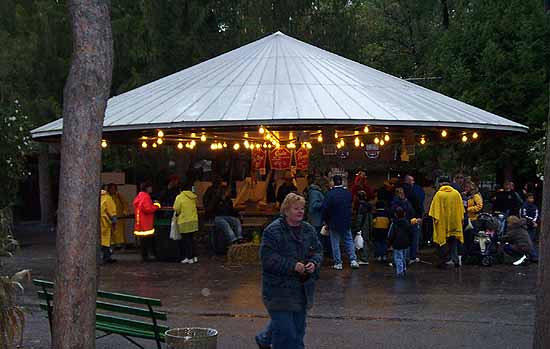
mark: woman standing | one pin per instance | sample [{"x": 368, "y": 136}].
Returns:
[
  {"x": 291, "y": 257},
  {"x": 473, "y": 204},
  {"x": 187, "y": 219}
]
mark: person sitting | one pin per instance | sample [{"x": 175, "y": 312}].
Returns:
[
  {"x": 517, "y": 241},
  {"x": 226, "y": 217}
]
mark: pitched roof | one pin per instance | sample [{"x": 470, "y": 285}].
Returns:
[{"x": 279, "y": 80}]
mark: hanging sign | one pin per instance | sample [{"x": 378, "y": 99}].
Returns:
[
  {"x": 372, "y": 151},
  {"x": 302, "y": 159},
  {"x": 259, "y": 157},
  {"x": 280, "y": 158}
]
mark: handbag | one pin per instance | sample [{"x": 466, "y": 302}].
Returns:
[{"x": 174, "y": 233}]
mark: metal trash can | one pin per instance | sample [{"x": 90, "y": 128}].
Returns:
[{"x": 192, "y": 338}]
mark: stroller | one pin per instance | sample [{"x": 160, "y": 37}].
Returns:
[{"x": 485, "y": 247}]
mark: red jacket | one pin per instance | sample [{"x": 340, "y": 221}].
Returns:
[{"x": 144, "y": 210}]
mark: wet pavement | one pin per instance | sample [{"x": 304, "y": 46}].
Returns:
[{"x": 472, "y": 307}]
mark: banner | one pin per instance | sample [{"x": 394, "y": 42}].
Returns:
[
  {"x": 280, "y": 158},
  {"x": 302, "y": 159},
  {"x": 259, "y": 157}
]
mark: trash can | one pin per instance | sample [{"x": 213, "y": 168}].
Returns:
[{"x": 192, "y": 338}]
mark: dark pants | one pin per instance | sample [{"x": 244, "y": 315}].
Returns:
[
  {"x": 188, "y": 247},
  {"x": 148, "y": 248},
  {"x": 449, "y": 250},
  {"x": 513, "y": 251},
  {"x": 106, "y": 253},
  {"x": 380, "y": 248},
  {"x": 286, "y": 330}
]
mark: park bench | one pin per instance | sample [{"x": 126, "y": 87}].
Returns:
[{"x": 107, "y": 319}]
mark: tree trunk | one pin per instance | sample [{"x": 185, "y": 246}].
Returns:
[
  {"x": 85, "y": 99},
  {"x": 542, "y": 316},
  {"x": 46, "y": 213}
]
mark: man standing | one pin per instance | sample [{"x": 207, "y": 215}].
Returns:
[
  {"x": 415, "y": 195},
  {"x": 447, "y": 212},
  {"x": 118, "y": 238},
  {"x": 337, "y": 215},
  {"x": 108, "y": 217}
]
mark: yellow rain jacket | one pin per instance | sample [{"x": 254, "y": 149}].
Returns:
[
  {"x": 107, "y": 213},
  {"x": 185, "y": 207},
  {"x": 475, "y": 205},
  {"x": 447, "y": 211},
  {"x": 119, "y": 234}
]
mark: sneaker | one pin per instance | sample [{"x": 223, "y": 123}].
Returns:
[
  {"x": 390, "y": 264},
  {"x": 186, "y": 261},
  {"x": 416, "y": 260},
  {"x": 337, "y": 266},
  {"x": 354, "y": 265},
  {"x": 363, "y": 262},
  {"x": 379, "y": 259},
  {"x": 520, "y": 261},
  {"x": 195, "y": 260}
]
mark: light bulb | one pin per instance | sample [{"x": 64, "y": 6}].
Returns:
[
  {"x": 159, "y": 141},
  {"x": 224, "y": 145},
  {"x": 246, "y": 144},
  {"x": 268, "y": 136},
  {"x": 236, "y": 146},
  {"x": 290, "y": 136},
  {"x": 338, "y": 146},
  {"x": 193, "y": 135},
  {"x": 376, "y": 140},
  {"x": 320, "y": 138},
  {"x": 464, "y": 139},
  {"x": 160, "y": 134},
  {"x": 103, "y": 143},
  {"x": 193, "y": 143},
  {"x": 382, "y": 142},
  {"x": 203, "y": 138},
  {"x": 246, "y": 135},
  {"x": 356, "y": 132},
  {"x": 265, "y": 145},
  {"x": 422, "y": 141},
  {"x": 258, "y": 145},
  {"x": 308, "y": 145},
  {"x": 261, "y": 130},
  {"x": 335, "y": 134},
  {"x": 180, "y": 145},
  {"x": 362, "y": 144},
  {"x": 188, "y": 146},
  {"x": 144, "y": 144},
  {"x": 213, "y": 146},
  {"x": 387, "y": 138},
  {"x": 366, "y": 129},
  {"x": 342, "y": 143},
  {"x": 154, "y": 145},
  {"x": 444, "y": 133},
  {"x": 475, "y": 135},
  {"x": 357, "y": 141}
]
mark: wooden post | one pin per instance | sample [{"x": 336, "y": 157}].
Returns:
[
  {"x": 85, "y": 99},
  {"x": 541, "y": 339}
]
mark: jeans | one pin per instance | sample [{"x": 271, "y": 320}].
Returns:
[
  {"x": 148, "y": 247},
  {"x": 286, "y": 330},
  {"x": 349, "y": 246},
  {"x": 510, "y": 250},
  {"x": 399, "y": 260},
  {"x": 450, "y": 249},
  {"x": 231, "y": 227},
  {"x": 415, "y": 241},
  {"x": 380, "y": 248}
]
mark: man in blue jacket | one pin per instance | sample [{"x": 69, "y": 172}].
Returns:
[{"x": 337, "y": 215}]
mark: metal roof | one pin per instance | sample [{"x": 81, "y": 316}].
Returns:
[{"x": 279, "y": 80}]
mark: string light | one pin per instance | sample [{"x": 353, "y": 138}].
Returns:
[
  {"x": 265, "y": 145},
  {"x": 214, "y": 146},
  {"x": 193, "y": 143},
  {"x": 188, "y": 146},
  {"x": 342, "y": 143},
  {"x": 464, "y": 139},
  {"x": 356, "y": 132},
  {"x": 366, "y": 129},
  {"x": 160, "y": 134},
  {"x": 422, "y": 141},
  {"x": 320, "y": 138},
  {"x": 475, "y": 135},
  {"x": 224, "y": 145},
  {"x": 236, "y": 146},
  {"x": 338, "y": 146},
  {"x": 382, "y": 142},
  {"x": 258, "y": 145},
  {"x": 246, "y": 144},
  {"x": 268, "y": 136},
  {"x": 159, "y": 141},
  {"x": 144, "y": 144},
  {"x": 357, "y": 141},
  {"x": 376, "y": 140},
  {"x": 308, "y": 145},
  {"x": 203, "y": 138},
  {"x": 103, "y": 143},
  {"x": 261, "y": 130},
  {"x": 154, "y": 145},
  {"x": 193, "y": 135},
  {"x": 362, "y": 144},
  {"x": 444, "y": 133},
  {"x": 335, "y": 134},
  {"x": 180, "y": 145},
  {"x": 387, "y": 138},
  {"x": 246, "y": 135}
]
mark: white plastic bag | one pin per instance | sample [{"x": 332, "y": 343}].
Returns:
[
  {"x": 174, "y": 233},
  {"x": 324, "y": 230},
  {"x": 359, "y": 242}
]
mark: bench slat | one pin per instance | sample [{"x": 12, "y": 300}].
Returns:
[
  {"x": 130, "y": 310},
  {"x": 128, "y": 332},
  {"x": 42, "y": 283},
  {"x": 129, "y": 298}
]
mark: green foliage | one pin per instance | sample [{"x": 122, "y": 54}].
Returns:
[
  {"x": 12, "y": 316},
  {"x": 15, "y": 146}
]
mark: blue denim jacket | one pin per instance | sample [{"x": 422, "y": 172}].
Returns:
[{"x": 282, "y": 288}]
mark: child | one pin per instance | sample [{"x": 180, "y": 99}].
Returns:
[
  {"x": 517, "y": 241},
  {"x": 530, "y": 212},
  {"x": 400, "y": 237},
  {"x": 380, "y": 225}
]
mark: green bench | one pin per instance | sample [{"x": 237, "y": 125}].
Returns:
[{"x": 107, "y": 320}]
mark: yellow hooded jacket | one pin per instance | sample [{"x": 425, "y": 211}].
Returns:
[
  {"x": 108, "y": 217},
  {"x": 185, "y": 206},
  {"x": 119, "y": 234},
  {"x": 447, "y": 211}
]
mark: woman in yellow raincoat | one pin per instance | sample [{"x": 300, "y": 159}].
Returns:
[
  {"x": 187, "y": 219},
  {"x": 108, "y": 222},
  {"x": 119, "y": 232}
]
